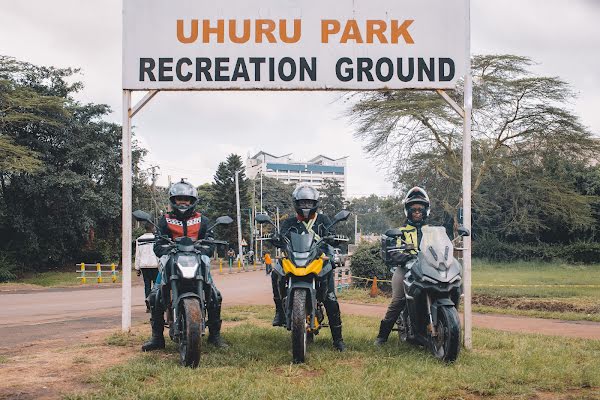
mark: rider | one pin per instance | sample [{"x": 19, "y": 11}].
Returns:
[
  {"x": 183, "y": 220},
  {"x": 416, "y": 209},
  {"x": 306, "y": 204}
]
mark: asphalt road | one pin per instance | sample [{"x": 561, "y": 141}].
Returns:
[{"x": 30, "y": 315}]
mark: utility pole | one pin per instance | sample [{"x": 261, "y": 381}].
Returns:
[
  {"x": 239, "y": 217},
  {"x": 153, "y": 190},
  {"x": 355, "y": 229},
  {"x": 262, "y": 211}
]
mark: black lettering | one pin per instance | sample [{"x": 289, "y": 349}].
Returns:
[
  {"x": 203, "y": 66},
  {"x": 310, "y": 70},
  {"x": 390, "y": 69},
  {"x": 183, "y": 77},
  {"x": 257, "y": 61},
  {"x": 146, "y": 67},
  {"x": 348, "y": 71},
  {"x": 450, "y": 63},
  {"x": 364, "y": 66},
  {"x": 163, "y": 67},
  {"x": 219, "y": 68},
  {"x": 240, "y": 70},
  {"x": 429, "y": 70},
  {"x": 289, "y": 61},
  {"x": 271, "y": 69},
  {"x": 411, "y": 69}
]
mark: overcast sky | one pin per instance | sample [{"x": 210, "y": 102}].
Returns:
[{"x": 189, "y": 133}]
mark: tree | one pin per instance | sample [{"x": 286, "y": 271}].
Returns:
[
  {"x": 521, "y": 126},
  {"x": 276, "y": 195},
  {"x": 225, "y": 198},
  {"x": 377, "y": 214},
  {"x": 62, "y": 203},
  {"x": 332, "y": 197}
]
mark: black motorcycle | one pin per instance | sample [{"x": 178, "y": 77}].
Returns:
[
  {"x": 303, "y": 268},
  {"x": 432, "y": 284},
  {"x": 186, "y": 283}
]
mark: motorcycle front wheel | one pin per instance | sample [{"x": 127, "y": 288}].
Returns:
[
  {"x": 190, "y": 340},
  {"x": 446, "y": 345},
  {"x": 299, "y": 338}
]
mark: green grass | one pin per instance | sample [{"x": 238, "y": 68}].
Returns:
[
  {"x": 257, "y": 366},
  {"x": 3, "y": 359},
  {"x": 60, "y": 278}
]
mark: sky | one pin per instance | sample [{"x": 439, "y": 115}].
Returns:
[{"x": 188, "y": 134}]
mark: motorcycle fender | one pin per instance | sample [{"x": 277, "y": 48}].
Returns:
[
  {"x": 326, "y": 269},
  {"x": 278, "y": 269},
  {"x": 295, "y": 285},
  {"x": 443, "y": 302}
]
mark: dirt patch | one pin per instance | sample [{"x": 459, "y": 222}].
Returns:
[{"x": 518, "y": 303}]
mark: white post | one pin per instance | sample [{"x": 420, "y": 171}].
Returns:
[
  {"x": 239, "y": 217},
  {"x": 126, "y": 217},
  {"x": 466, "y": 189},
  {"x": 262, "y": 211},
  {"x": 355, "y": 229}
]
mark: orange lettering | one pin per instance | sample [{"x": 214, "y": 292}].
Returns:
[
  {"x": 351, "y": 32},
  {"x": 402, "y": 30},
  {"x": 193, "y": 35},
  {"x": 329, "y": 27},
  {"x": 207, "y": 31},
  {"x": 283, "y": 31},
  {"x": 265, "y": 27},
  {"x": 245, "y": 33},
  {"x": 376, "y": 28}
]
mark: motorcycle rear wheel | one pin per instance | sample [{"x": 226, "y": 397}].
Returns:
[
  {"x": 191, "y": 335},
  {"x": 446, "y": 345},
  {"x": 299, "y": 335}
]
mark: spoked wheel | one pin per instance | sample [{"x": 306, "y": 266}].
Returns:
[
  {"x": 299, "y": 334},
  {"x": 446, "y": 345},
  {"x": 190, "y": 341}
]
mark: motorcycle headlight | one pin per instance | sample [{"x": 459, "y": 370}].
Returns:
[{"x": 188, "y": 265}]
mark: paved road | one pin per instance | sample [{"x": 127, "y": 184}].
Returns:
[{"x": 29, "y": 315}]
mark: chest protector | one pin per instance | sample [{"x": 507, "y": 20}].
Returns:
[{"x": 189, "y": 227}]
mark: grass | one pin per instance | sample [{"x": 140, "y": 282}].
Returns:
[
  {"x": 257, "y": 366},
  {"x": 560, "y": 298},
  {"x": 3, "y": 359}
]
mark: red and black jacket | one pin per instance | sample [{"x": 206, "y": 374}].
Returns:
[{"x": 169, "y": 225}]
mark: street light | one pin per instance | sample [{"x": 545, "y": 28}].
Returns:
[{"x": 239, "y": 217}]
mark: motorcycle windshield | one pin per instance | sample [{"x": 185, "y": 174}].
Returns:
[
  {"x": 301, "y": 243},
  {"x": 436, "y": 247}
]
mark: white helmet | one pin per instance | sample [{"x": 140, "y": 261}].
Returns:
[{"x": 416, "y": 195}]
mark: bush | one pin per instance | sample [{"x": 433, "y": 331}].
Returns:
[
  {"x": 7, "y": 268},
  {"x": 366, "y": 262},
  {"x": 492, "y": 249}
]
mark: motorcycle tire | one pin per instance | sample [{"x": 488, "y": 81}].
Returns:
[
  {"x": 446, "y": 345},
  {"x": 299, "y": 334},
  {"x": 191, "y": 335}
]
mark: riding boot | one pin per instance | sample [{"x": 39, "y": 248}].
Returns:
[
  {"x": 157, "y": 341},
  {"x": 385, "y": 327},
  {"x": 338, "y": 341},
  {"x": 279, "y": 319},
  {"x": 214, "y": 328}
]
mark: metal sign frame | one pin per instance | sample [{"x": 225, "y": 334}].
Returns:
[{"x": 465, "y": 112}]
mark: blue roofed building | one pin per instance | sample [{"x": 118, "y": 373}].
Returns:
[{"x": 284, "y": 168}]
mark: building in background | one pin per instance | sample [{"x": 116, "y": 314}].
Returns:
[{"x": 288, "y": 170}]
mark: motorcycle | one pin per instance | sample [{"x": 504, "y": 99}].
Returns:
[
  {"x": 186, "y": 284},
  {"x": 303, "y": 268},
  {"x": 432, "y": 284}
]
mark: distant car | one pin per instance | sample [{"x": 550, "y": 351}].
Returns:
[{"x": 339, "y": 259}]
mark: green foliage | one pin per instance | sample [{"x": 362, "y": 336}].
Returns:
[
  {"x": 491, "y": 248},
  {"x": 60, "y": 201},
  {"x": 532, "y": 180},
  {"x": 7, "y": 267},
  {"x": 224, "y": 197},
  {"x": 276, "y": 194},
  {"x": 366, "y": 262},
  {"x": 377, "y": 214}
]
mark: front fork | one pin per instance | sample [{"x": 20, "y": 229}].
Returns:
[{"x": 430, "y": 326}]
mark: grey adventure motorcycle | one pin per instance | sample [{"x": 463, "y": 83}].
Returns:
[
  {"x": 432, "y": 285},
  {"x": 186, "y": 288}
]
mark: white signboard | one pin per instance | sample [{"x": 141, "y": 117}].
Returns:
[{"x": 293, "y": 44}]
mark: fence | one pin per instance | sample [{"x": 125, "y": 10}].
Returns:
[
  {"x": 343, "y": 279},
  {"x": 235, "y": 265},
  {"x": 97, "y": 273}
]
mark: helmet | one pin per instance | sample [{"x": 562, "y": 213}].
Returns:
[
  {"x": 414, "y": 196},
  {"x": 183, "y": 189},
  {"x": 306, "y": 200}
]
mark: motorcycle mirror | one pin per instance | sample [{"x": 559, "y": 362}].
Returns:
[
  {"x": 263, "y": 218},
  {"x": 140, "y": 215},
  {"x": 395, "y": 232},
  {"x": 341, "y": 216},
  {"x": 224, "y": 220},
  {"x": 462, "y": 231}
]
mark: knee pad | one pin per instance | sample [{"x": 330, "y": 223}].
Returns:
[{"x": 154, "y": 299}]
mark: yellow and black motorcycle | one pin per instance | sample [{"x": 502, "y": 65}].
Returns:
[{"x": 303, "y": 268}]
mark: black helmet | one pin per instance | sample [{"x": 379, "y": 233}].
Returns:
[
  {"x": 416, "y": 195},
  {"x": 183, "y": 189},
  {"x": 306, "y": 200}
]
